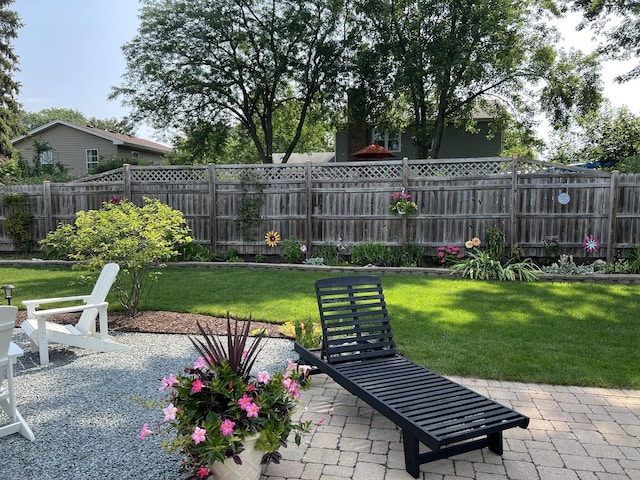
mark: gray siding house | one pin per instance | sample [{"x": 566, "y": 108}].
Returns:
[
  {"x": 80, "y": 148},
  {"x": 456, "y": 142}
]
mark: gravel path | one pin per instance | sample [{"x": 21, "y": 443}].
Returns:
[{"x": 85, "y": 413}]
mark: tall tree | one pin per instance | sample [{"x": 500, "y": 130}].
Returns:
[
  {"x": 9, "y": 88},
  {"x": 32, "y": 120},
  {"x": 447, "y": 58},
  {"x": 233, "y": 60},
  {"x": 617, "y": 22}
]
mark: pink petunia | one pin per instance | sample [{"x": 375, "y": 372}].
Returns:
[
  {"x": 252, "y": 410},
  {"x": 196, "y": 386},
  {"x": 263, "y": 377},
  {"x": 199, "y": 435},
  {"x": 200, "y": 363},
  {"x": 226, "y": 428},
  {"x": 440, "y": 254},
  {"x": 168, "y": 382},
  {"x": 170, "y": 412},
  {"x": 203, "y": 472},
  {"x": 244, "y": 402},
  {"x": 144, "y": 432}
]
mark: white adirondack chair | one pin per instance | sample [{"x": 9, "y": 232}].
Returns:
[
  {"x": 8, "y": 352},
  {"x": 83, "y": 334}
]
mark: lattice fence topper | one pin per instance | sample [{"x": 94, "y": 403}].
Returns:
[{"x": 383, "y": 169}]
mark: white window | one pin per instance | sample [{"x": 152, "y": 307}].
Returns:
[
  {"x": 46, "y": 157},
  {"x": 390, "y": 140},
  {"x": 92, "y": 158}
]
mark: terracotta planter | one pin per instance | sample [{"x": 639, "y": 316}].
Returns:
[{"x": 251, "y": 468}]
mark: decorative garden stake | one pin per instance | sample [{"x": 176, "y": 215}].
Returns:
[{"x": 591, "y": 244}]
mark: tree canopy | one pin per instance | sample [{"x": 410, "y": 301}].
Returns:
[
  {"x": 9, "y": 88},
  {"x": 234, "y": 61},
  {"x": 617, "y": 22},
  {"x": 33, "y": 120},
  {"x": 446, "y": 60}
]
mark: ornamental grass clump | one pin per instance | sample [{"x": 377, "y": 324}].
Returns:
[{"x": 217, "y": 404}]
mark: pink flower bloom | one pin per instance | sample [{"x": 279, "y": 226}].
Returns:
[
  {"x": 226, "y": 428},
  {"x": 170, "y": 412},
  {"x": 199, "y": 435},
  {"x": 263, "y": 377},
  {"x": 251, "y": 388},
  {"x": 168, "y": 382},
  {"x": 252, "y": 410},
  {"x": 200, "y": 363},
  {"x": 460, "y": 256},
  {"x": 444, "y": 260},
  {"x": 196, "y": 386},
  {"x": 203, "y": 473},
  {"x": 440, "y": 254},
  {"x": 475, "y": 241},
  {"x": 144, "y": 432},
  {"x": 244, "y": 402}
]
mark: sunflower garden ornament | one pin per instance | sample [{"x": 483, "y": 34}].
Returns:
[{"x": 272, "y": 239}]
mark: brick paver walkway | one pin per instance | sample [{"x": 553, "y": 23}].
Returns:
[{"x": 575, "y": 433}]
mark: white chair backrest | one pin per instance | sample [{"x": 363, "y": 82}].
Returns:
[
  {"x": 8, "y": 314},
  {"x": 98, "y": 295}
]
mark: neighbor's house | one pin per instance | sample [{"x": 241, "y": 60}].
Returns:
[
  {"x": 80, "y": 148},
  {"x": 456, "y": 142}
]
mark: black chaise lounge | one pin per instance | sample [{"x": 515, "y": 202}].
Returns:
[{"x": 359, "y": 353}]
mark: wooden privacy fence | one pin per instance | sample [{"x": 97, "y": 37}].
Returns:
[{"x": 233, "y": 206}]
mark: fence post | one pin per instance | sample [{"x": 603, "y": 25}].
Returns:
[
  {"x": 126, "y": 178},
  {"x": 213, "y": 201},
  {"x": 47, "y": 206},
  {"x": 514, "y": 203},
  {"x": 309, "y": 213},
  {"x": 612, "y": 236},
  {"x": 405, "y": 185}
]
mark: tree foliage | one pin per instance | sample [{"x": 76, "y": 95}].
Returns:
[
  {"x": 610, "y": 135},
  {"x": 9, "y": 88},
  {"x": 447, "y": 59},
  {"x": 234, "y": 61},
  {"x": 617, "y": 22},
  {"x": 33, "y": 120},
  {"x": 136, "y": 238}
]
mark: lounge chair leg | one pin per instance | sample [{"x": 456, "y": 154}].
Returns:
[
  {"x": 411, "y": 454},
  {"x": 495, "y": 442}
]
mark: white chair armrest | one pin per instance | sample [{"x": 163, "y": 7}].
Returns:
[
  {"x": 40, "y": 301},
  {"x": 76, "y": 308}
]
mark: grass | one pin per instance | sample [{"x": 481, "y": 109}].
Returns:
[{"x": 558, "y": 333}]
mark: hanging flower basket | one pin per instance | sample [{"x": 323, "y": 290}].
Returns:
[{"x": 402, "y": 203}]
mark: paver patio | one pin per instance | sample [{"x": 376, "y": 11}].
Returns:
[{"x": 575, "y": 433}]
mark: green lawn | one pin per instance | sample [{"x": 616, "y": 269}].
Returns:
[{"x": 559, "y": 333}]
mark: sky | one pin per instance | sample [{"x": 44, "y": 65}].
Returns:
[{"x": 70, "y": 56}]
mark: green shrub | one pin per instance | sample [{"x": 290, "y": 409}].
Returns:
[
  {"x": 136, "y": 238},
  {"x": 231, "y": 255},
  {"x": 370, "y": 253},
  {"x": 479, "y": 265},
  {"x": 194, "y": 252},
  {"x": 261, "y": 258},
  {"x": 331, "y": 254},
  {"x": 293, "y": 251},
  {"x": 495, "y": 240},
  {"x": 18, "y": 222}
]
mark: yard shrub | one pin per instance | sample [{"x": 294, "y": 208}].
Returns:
[
  {"x": 136, "y": 238},
  {"x": 293, "y": 251},
  {"x": 370, "y": 253},
  {"x": 18, "y": 222}
]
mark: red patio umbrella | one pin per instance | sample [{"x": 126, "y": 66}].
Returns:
[{"x": 373, "y": 151}]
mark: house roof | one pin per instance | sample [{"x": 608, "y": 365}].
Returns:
[{"x": 116, "y": 138}]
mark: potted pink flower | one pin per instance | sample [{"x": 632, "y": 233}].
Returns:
[{"x": 225, "y": 418}]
